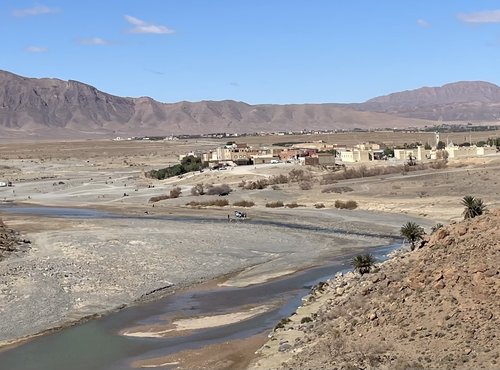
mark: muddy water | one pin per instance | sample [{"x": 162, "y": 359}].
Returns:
[{"x": 98, "y": 344}]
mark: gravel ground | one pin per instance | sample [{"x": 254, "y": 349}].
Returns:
[{"x": 77, "y": 268}]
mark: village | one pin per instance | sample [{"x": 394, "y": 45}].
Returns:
[{"x": 326, "y": 155}]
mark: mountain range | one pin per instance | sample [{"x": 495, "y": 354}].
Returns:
[{"x": 49, "y": 107}]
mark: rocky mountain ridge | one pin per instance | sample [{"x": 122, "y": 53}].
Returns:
[
  {"x": 459, "y": 101},
  {"x": 53, "y": 107},
  {"x": 434, "y": 308}
]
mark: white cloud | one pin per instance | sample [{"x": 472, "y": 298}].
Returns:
[
  {"x": 423, "y": 23},
  {"x": 36, "y": 49},
  {"x": 93, "y": 41},
  {"x": 35, "y": 10},
  {"x": 487, "y": 16},
  {"x": 141, "y": 26}
]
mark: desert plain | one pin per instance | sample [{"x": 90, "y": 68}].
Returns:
[{"x": 126, "y": 249}]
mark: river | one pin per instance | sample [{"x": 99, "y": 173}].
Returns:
[{"x": 98, "y": 344}]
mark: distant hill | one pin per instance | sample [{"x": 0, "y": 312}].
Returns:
[
  {"x": 56, "y": 108},
  {"x": 459, "y": 101}
]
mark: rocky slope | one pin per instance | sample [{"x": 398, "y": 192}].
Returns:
[
  {"x": 459, "y": 101},
  {"x": 435, "y": 308},
  {"x": 55, "y": 108},
  {"x": 9, "y": 241}
]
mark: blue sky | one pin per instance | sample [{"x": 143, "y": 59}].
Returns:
[{"x": 260, "y": 51}]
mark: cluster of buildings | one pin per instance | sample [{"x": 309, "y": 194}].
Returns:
[
  {"x": 242, "y": 154},
  {"x": 320, "y": 153}
]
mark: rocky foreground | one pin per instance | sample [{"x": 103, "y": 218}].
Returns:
[
  {"x": 9, "y": 241},
  {"x": 435, "y": 308}
]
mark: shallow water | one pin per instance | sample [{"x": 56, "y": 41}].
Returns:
[{"x": 98, "y": 345}]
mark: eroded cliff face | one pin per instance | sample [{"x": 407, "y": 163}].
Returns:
[{"x": 435, "y": 308}]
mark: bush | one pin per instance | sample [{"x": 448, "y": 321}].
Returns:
[
  {"x": 275, "y": 204},
  {"x": 297, "y": 175},
  {"x": 215, "y": 202},
  {"x": 223, "y": 189},
  {"x": 337, "y": 189},
  {"x": 305, "y": 185},
  {"x": 363, "y": 263},
  {"x": 244, "y": 203},
  {"x": 281, "y": 324},
  {"x": 439, "y": 164},
  {"x": 175, "y": 192},
  {"x": 305, "y": 320},
  {"x": 256, "y": 185},
  {"x": 350, "y": 204},
  {"x": 363, "y": 171},
  {"x": 293, "y": 205},
  {"x": 188, "y": 164},
  {"x": 319, "y": 205},
  {"x": 198, "y": 189},
  {"x": 279, "y": 179},
  {"x": 157, "y": 198}
]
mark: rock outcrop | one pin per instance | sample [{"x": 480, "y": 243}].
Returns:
[
  {"x": 9, "y": 241},
  {"x": 435, "y": 308}
]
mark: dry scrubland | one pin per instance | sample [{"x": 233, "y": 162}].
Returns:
[{"x": 68, "y": 272}]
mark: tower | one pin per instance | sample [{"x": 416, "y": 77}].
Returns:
[{"x": 437, "y": 138}]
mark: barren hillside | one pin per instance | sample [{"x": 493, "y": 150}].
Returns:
[
  {"x": 435, "y": 308},
  {"x": 459, "y": 101}
]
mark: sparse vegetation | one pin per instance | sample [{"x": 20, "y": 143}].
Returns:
[
  {"x": 337, "y": 189},
  {"x": 157, "y": 198},
  {"x": 305, "y": 320},
  {"x": 293, "y": 205},
  {"x": 473, "y": 206},
  {"x": 223, "y": 189},
  {"x": 277, "y": 204},
  {"x": 305, "y": 185},
  {"x": 319, "y": 205},
  {"x": 363, "y": 171},
  {"x": 244, "y": 203},
  {"x": 412, "y": 232},
  {"x": 363, "y": 263},
  {"x": 208, "y": 203},
  {"x": 436, "y": 227},
  {"x": 198, "y": 189},
  {"x": 281, "y": 324},
  {"x": 350, "y": 204},
  {"x": 175, "y": 192}
]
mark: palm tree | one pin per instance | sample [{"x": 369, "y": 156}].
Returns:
[
  {"x": 363, "y": 263},
  {"x": 412, "y": 232},
  {"x": 473, "y": 206}
]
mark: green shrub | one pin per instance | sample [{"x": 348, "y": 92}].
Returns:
[
  {"x": 281, "y": 324},
  {"x": 188, "y": 164}
]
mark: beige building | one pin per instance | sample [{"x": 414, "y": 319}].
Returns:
[
  {"x": 356, "y": 155},
  {"x": 420, "y": 154},
  {"x": 468, "y": 151}
]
